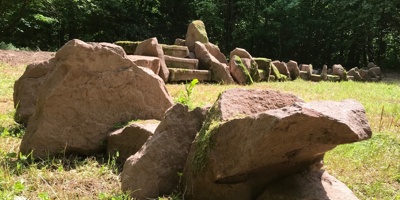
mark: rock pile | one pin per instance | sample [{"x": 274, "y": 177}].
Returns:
[
  {"x": 253, "y": 144},
  {"x": 195, "y": 57}
]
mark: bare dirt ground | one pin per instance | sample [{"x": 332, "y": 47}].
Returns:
[{"x": 17, "y": 58}]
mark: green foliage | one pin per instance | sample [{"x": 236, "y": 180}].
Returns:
[{"x": 186, "y": 97}]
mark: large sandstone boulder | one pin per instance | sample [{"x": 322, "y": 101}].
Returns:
[
  {"x": 27, "y": 86},
  {"x": 240, "y": 71},
  {"x": 153, "y": 171},
  {"x": 264, "y": 64},
  {"x": 306, "y": 70},
  {"x": 248, "y": 62},
  {"x": 26, "y": 89},
  {"x": 338, "y": 70},
  {"x": 293, "y": 68},
  {"x": 198, "y": 181},
  {"x": 150, "y": 47},
  {"x": 354, "y": 72},
  {"x": 280, "y": 137},
  {"x": 219, "y": 71},
  {"x": 91, "y": 89},
  {"x": 308, "y": 185},
  {"x": 196, "y": 32},
  {"x": 242, "y": 53},
  {"x": 127, "y": 141},
  {"x": 282, "y": 67},
  {"x": 216, "y": 52}
]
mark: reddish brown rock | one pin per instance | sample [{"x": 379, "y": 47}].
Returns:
[
  {"x": 26, "y": 89},
  {"x": 242, "y": 53},
  {"x": 282, "y": 67},
  {"x": 153, "y": 171},
  {"x": 91, "y": 89},
  {"x": 216, "y": 52},
  {"x": 219, "y": 71},
  {"x": 309, "y": 185},
  {"x": 177, "y": 75},
  {"x": 150, "y": 62},
  {"x": 128, "y": 140},
  {"x": 293, "y": 68},
  {"x": 27, "y": 86},
  {"x": 150, "y": 47},
  {"x": 265, "y": 145},
  {"x": 196, "y": 32},
  {"x": 240, "y": 70},
  {"x": 180, "y": 42},
  {"x": 182, "y": 63},
  {"x": 339, "y": 70}
]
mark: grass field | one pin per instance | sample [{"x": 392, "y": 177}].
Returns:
[{"x": 370, "y": 168}]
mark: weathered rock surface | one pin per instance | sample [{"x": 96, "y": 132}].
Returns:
[
  {"x": 128, "y": 140},
  {"x": 180, "y": 42},
  {"x": 153, "y": 171},
  {"x": 252, "y": 66},
  {"x": 216, "y": 52},
  {"x": 356, "y": 74},
  {"x": 175, "y": 51},
  {"x": 264, "y": 64},
  {"x": 196, "y": 32},
  {"x": 293, "y": 68},
  {"x": 151, "y": 62},
  {"x": 219, "y": 71},
  {"x": 91, "y": 89},
  {"x": 316, "y": 78},
  {"x": 242, "y": 53},
  {"x": 249, "y": 63},
  {"x": 324, "y": 72},
  {"x": 128, "y": 46},
  {"x": 182, "y": 63},
  {"x": 176, "y": 75},
  {"x": 282, "y": 67},
  {"x": 339, "y": 70},
  {"x": 310, "y": 185},
  {"x": 150, "y": 47},
  {"x": 26, "y": 89},
  {"x": 240, "y": 71},
  {"x": 258, "y": 151}
]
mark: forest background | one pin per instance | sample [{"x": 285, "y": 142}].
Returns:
[{"x": 351, "y": 32}]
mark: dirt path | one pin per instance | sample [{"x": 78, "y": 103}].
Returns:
[{"x": 17, "y": 58}]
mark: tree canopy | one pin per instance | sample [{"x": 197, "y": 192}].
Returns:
[{"x": 351, "y": 32}]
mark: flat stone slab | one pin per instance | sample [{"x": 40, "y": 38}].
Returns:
[
  {"x": 182, "y": 63},
  {"x": 150, "y": 62},
  {"x": 175, "y": 50},
  {"x": 315, "y": 78},
  {"x": 188, "y": 75}
]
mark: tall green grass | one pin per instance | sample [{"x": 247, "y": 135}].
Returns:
[{"x": 370, "y": 168}]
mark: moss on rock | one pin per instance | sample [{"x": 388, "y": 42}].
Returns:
[
  {"x": 128, "y": 46},
  {"x": 243, "y": 68}
]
